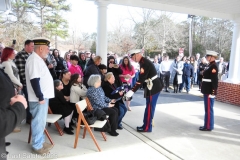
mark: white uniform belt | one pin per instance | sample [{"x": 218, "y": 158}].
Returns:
[
  {"x": 154, "y": 77},
  {"x": 206, "y": 80}
]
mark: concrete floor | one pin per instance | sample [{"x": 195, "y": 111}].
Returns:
[{"x": 175, "y": 134}]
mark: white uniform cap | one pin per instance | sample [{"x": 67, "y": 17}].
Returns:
[
  {"x": 134, "y": 51},
  {"x": 211, "y": 53}
]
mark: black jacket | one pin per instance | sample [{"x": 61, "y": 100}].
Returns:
[
  {"x": 59, "y": 105},
  {"x": 210, "y": 73},
  {"x": 10, "y": 117},
  {"x": 201, "y": 68},
  {"x": 116, "y": 72},
  {"x": 6, "y": 89},
  {"x": 147, "y": 70},
  {"x": 92, "y": 69},
  {"x": 108, "y": 89}
]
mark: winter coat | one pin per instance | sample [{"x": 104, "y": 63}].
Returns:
[{"x": 174, "y": 67}]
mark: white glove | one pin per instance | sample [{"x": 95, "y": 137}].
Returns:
[
  {"x": 129, "y": 93},
  {"x": 211, "y": 96}
]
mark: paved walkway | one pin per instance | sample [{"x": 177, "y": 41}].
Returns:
[{"x": 175, "y": 134}]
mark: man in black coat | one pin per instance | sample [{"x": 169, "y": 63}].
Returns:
[
  {"x": 10, "y": 116},
  {"x": 152, "y": 90}
]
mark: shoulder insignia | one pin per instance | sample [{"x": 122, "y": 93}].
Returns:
[
  {"x": 214, "y": 71},
  {"x": 141, "y": 71}
]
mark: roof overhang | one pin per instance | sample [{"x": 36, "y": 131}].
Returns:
[{"x": 224, "y": 9}]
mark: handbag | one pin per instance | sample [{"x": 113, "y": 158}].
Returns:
[
  {"x": 89, "y": 116},
  {"x": 180, "y": 72},
  {"x": 100, "y": 114}
]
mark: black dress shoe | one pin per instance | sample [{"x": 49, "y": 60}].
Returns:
[
  {"x": 204, "y": 129},
  {"x": 113, "y": 133},
  {"x": 139, "y": 127},
  {"x": 167, "y": 91},
  {"x": 68, "y": 131},
  {"x": 7, "y": 144},
  {"x": 7, "y": 152}
]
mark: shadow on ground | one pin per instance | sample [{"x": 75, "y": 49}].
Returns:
[{"x": 165, "y": 97}]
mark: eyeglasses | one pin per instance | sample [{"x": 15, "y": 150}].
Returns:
[{"x": 111, "y": 61}]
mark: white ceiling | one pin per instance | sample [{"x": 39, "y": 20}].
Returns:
[{"x": 225, "y": 9}]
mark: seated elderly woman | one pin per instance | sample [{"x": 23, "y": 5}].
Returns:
[
  {"x": 98, "y": 100},
  {"x": 109, "y": 87},
  {"x": 59, "y": 105}
]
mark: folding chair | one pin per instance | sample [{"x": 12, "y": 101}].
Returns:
[
  {"x": 51, "y": 118},
  {"x": 56, "y": 123},
  {"x": 89, "y": 108},
  {"x": 81, "y": 105}
]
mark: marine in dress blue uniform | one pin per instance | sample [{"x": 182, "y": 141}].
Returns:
[
  {"x": 209, "y": 90},
  {"x": 148, "y": 75}
]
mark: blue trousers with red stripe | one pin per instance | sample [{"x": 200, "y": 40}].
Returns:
[
  {"x": 209, "y": 114},
  {"x": 151, "y": 102}
]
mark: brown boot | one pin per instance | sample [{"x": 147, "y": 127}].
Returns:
[
  {"x": 47, "y": 146},
  {"x": 41, "y": 151}
]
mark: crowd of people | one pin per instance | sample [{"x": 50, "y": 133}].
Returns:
[
  {"x": 185, "y": 72},
  {"x": 48, "y": 80}
]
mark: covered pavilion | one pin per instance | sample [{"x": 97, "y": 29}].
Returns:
[{"x": 223, "y": 9}]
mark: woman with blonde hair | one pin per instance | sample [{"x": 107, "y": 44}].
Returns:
[
  {"x": 67, "y": 59},
  {"x": 109, "y": 86}
]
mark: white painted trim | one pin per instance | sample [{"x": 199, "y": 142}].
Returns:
[{"x": 170, "y": 8}]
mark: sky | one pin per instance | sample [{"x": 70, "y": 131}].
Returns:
[{"x": 83, "y": 16}]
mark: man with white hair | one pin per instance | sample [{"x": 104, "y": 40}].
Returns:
[
  {"x": 221, "y": 68},
  {"x": 40, "y": 89}
]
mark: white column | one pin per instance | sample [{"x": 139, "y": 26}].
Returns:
[
  {"x": 102, "y": 31},
  {"x": 234, "y": 68}
]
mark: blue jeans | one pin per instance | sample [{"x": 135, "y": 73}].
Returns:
[
  {"x": 187, "y": 82},
  {"x": 122, "y": 111},
  {"x": 39, "y": 115},
  {"x": 135, "y": 79}
]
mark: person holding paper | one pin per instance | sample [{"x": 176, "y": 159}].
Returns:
[{"x": 113, "y": 92}]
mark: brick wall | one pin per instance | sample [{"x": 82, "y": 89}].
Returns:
[{"x": 228, "y": 93}]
